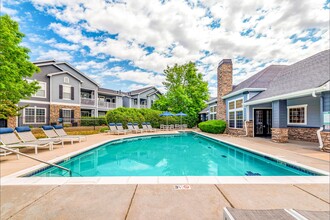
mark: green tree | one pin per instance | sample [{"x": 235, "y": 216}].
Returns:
[
  {"x": 14, "y": 68},
  {"x": 186, "y": 92}
]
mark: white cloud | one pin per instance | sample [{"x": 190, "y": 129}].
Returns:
[
  {"x": 179, "y": 32},
  {"x": 55, "y": 54}
]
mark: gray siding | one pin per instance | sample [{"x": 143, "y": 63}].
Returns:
[
  {"x": 313, "y": 109},
  {"x": 87, "y": 83},
  {"x": 279, "y": 114},
  {"x": 144, "y": 95},
  {"x": 42, "y": 77},
  {"x": 126, "y": 101},
  {"x": 58, "y": 80}
]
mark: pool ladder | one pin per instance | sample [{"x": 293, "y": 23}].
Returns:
[{"x": 36, "y": 159}]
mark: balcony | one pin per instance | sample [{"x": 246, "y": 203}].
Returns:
[
  {"x": 106, "y": 105},
  {"x": 141, "y": 106},
  {"x": 86, "y": 101}
]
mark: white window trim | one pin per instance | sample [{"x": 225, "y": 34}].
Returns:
[
  {"x": 35, "y": 115},
  {"x": 236, "y": 110},
  {"x": 39, "y": 82},
  {"x": 66, "y": 80},
  {"x": 68, "y": 86},
  {"x": 297, "y": 106},
  {"x": 212, "y": 114}
]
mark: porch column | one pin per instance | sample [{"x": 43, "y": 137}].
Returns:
[
  {"x": 148, "y": 102},
  {"x": 280, "y": 132},
  {"x": 138, "y": 101}
]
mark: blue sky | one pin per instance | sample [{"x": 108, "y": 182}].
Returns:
[{"x": 127, "y": 44}]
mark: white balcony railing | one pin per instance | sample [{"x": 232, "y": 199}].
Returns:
[
  {"x": 106, "y": 105},
  {"x": 141, "y": 106},
  {"x": 86, "y": 101}
]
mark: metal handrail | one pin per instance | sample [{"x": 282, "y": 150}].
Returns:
[{"x": 33, "y": 158}]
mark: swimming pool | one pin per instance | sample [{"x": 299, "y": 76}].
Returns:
[{"x": 183, "y": 154}]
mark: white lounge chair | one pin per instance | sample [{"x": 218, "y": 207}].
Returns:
[
  {"x": 61, "y": 133},
  {"x": 26, "y": 135},
  {"x": 4, "y": 153},
  {"x": 9, "y": 139},
  {"x": 145, "y": 127},
  {"x": 113, "y": 129},
  {"x": 131, "y": 128},
  {"x": 50, "y": 133},
  {"x": 149, "y": 126},
  {"x": 136, "y": 127},
  {"x": 119, "y": 127}
]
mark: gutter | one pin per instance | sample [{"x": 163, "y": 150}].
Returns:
[
  {"x": 243, "y": 90},
  {"x": 297, "y": 94}
]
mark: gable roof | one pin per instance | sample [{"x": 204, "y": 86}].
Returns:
[
  {"x": 110, "y": 91},
  {"x": 78, "y": 71},
  {"x": 139, "y": 91},
  {"x": 64, "y": 72},
  {"x": 261, "y": 79},
  {"x": 308, "y": 73}
]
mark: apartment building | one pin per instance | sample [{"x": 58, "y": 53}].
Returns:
[{"x": 68, "y": 94}]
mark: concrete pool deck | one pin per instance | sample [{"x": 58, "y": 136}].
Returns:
[
  {"x": 154, "y": 201},
  {"x": 108, "y": 200}
]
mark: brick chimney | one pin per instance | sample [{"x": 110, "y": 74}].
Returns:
[{"x": 225, "y": 83}]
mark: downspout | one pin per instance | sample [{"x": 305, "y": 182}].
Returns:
[
  {"x": 320, "y": 138},
  {"x": 246, "y": 130}
]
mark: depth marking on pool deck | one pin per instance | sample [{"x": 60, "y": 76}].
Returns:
[{"x": 182, "y": 187}]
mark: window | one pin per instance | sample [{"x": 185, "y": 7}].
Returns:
[
  {"x": 66, "y": 80},
  {"x": 135, "y": 101},
  {"x": 213, "y": 112},
  {"x": 85, "y": 95},
  {"x": 41, "y": 93},
  {"x": 66, "y": 92},
  {"x": 66, "y": 114},
  {"x": 236, "y": 113},
  {"x": 297, "y": 115},
  {"x": 34, "y": 115}
]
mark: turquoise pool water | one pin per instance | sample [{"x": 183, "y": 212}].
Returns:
[{"x": 184, "y": 154}]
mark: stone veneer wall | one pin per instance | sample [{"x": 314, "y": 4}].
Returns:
[
  {"x": 225, "y": 83},
  {"x": 55, "y": 111},
  {"x": 241, "y": 131},
  {"x": 303, "y": 134},
  {"x": 325, "y": 135},
  {"x": 249, "y": 128},
  {"x": 236, "y": 131},
  {"x": 11, "y": 122},
  {"x": 280, "y": 135}
]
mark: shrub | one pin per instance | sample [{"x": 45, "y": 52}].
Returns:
[
  {"x": 91, "y": 121},
  {"x": 213, "y": 126},
  {"x": 125, "y": 115}
]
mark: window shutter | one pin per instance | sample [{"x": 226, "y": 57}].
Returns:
[
  {"x": 61, "y": 114},
  {"x": 72, "y": 93},
  {"x": 61, "y": 92},
  {"x": 72, "y": 116}
]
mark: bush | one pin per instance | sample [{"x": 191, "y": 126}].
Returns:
[
  {"x": 125, "y": 115},
  {"x": 213, "y": 126},
  {"x": 91, "y": 121}
]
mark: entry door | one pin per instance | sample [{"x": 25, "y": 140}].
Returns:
[{"x": 262, "y": 122}]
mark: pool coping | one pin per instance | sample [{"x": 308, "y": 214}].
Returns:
[{"x": 17, "y": 179}]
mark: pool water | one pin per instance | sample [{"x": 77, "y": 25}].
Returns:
[{"x": 184, "y": 154}]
